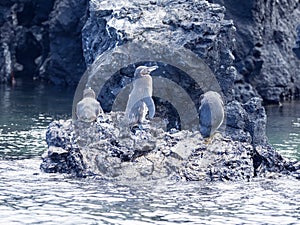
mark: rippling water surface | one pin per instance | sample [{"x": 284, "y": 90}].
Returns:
[
  {"x": 283, "y": 128},
  {"x": 28, "y": 196}
]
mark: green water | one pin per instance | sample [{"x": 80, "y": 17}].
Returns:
[
  {"x": 26, "y": 111},
  {"x": 283, "y": 128},
  {"x": 28, "y": 196}
]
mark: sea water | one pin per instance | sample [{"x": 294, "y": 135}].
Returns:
[{"x": 29, "y": 196}]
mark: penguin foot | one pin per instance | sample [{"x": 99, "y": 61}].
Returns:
[
  {"x": 141, "y": 127},
  {"x": 137, "y": 127},
  {"x": 134, "y": 128},
  {"x": 209, "y": 140}
]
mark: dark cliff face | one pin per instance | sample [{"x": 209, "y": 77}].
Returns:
[
  {"x": 64, "y": 63},
  {"x": 296, "y": 49},
  {"x": 266, "y": 36},
  {"x": 37, "y": 37}
]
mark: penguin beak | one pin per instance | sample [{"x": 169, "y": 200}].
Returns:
[
  {"x": 152, "y": 68},
  {"x": 148, "y": 70}
]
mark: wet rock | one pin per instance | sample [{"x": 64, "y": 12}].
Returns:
[
  {"x": 221, "y": 160},
  {"x": 256, "y": 121},
  {"x": 247, "y": 122},
  {"x": 238, "y": 118},
  {"x": 269, "y": 163},
  {"x": 107, "y": 150},
  {"x": 59, "y": 134},
  {"x": 63, "y": 155},
  {"x": 59, "y": 160}
]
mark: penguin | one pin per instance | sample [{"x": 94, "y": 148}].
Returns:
[
  {"x": 88, "y": 109},
  {"x": 211, "y": 113},
  {"x": 140, "y": 98}
]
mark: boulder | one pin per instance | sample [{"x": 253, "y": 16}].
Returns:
[
  {"x": 199, "y": 27},
  {"x": 110, "y": 151}
]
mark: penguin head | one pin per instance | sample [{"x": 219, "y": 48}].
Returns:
[
  {"x": 144, "y": 71},
  {"x": 211, "y": 96},
  {"x": 89, "y": 93}
]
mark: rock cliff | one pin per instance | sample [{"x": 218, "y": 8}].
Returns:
[
  {"x": 241, "y": 153},
  {"x": 37, "y": 38},
  {"x": 265, "y": 39}
]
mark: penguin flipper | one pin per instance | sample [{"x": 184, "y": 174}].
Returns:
[{"x": 150, "y": 105}]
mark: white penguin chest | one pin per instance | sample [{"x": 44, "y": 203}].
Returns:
[{"x": 143, "y": 86}]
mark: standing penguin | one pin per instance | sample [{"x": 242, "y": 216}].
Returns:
[
  {"x": 140, "y": 98},
  {"x": 211, "y": 113},
  {"x": 88, "y": 109}
]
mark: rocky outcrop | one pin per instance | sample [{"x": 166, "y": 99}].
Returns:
[
  {"x": 37, "y": 38},
  {"x": 108, "y": 150},
  {"x": 105, "y": 149},
  {"x": 266, "y": 36},
  {"x": 198, "y": 26}
]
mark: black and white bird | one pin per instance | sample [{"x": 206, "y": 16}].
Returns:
[
  {"x": 88, "y": 109},
  {"x": 211, "y": 113},
  {"x": 140, "y": 98}
]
